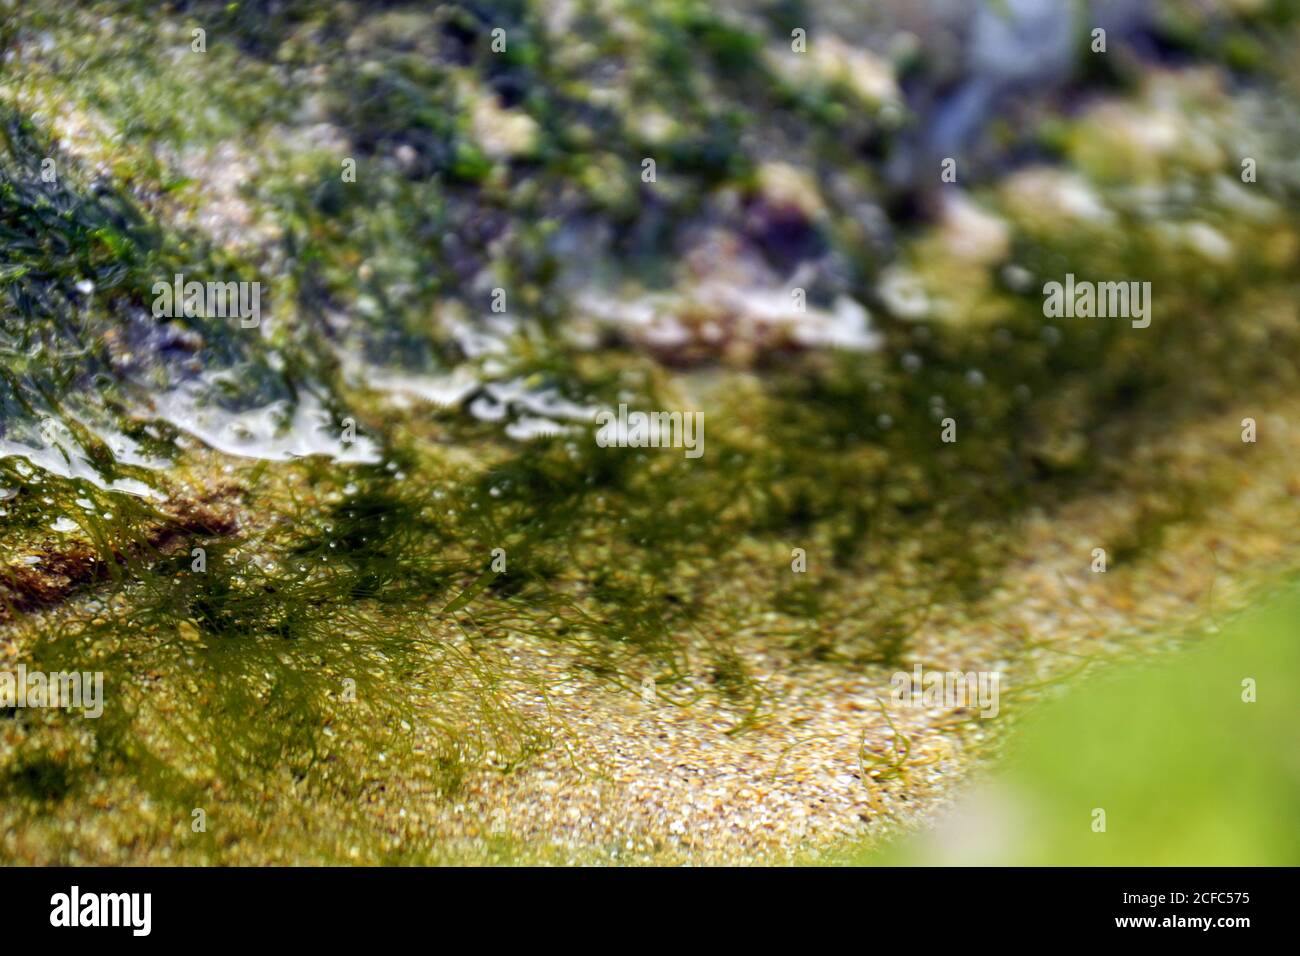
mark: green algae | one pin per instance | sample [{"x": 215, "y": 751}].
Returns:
[{"x": 229, "y": 684}]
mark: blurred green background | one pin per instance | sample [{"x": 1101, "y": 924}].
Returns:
[{"x": 1187, "y": 772}]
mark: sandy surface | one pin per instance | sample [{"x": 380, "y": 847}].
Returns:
[{"x": 634, "y": 778}]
